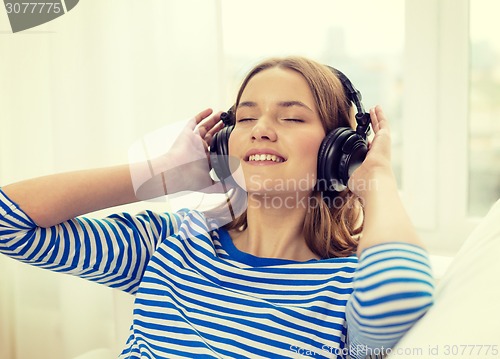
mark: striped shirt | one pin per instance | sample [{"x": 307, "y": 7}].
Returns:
[{"x": 198, "y": 296}]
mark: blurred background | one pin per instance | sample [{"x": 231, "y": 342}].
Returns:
[{"x": 76, "y": 92}]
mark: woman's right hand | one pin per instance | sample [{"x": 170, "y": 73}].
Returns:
[
  {"x": 186, "y": 165},
  {"x": 190, "y": 153}
]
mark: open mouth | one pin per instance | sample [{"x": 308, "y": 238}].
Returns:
[{"x": 265, "y": 157}]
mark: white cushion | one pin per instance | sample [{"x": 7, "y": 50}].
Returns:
[{"x": 464, "y": 321}]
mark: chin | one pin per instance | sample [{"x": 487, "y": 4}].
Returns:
[{"x": 281, "y": 187}]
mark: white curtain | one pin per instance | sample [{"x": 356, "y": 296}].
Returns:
[{"x": 76, "y": 93}]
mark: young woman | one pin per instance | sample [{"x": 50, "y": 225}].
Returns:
[{"x": 290, "y": 277}]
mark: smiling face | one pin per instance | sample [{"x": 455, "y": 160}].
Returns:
[{"x": 277, "y": 133}]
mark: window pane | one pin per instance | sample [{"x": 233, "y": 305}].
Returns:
[
  {"x": 366, "y": 45},
  {"x": 484, "y": 116}
]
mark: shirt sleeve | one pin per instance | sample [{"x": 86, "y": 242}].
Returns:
[
  {"x": 393, "y": 288},
  {"x": 113, "y": 251}
]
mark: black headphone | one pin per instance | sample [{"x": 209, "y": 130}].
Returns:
[{"x": 341, "y": 152}]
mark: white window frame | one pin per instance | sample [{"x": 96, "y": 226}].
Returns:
[{"x": 435, "y": 121}]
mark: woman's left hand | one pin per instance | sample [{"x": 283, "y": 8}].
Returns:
[{"x": 377, "y": 164}]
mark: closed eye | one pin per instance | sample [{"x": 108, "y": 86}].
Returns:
[
  {"x": 246, "y": 119},
  {"x": 293, "y": 120}
]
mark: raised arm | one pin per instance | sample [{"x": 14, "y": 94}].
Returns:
[
  {"x": 50, "y": 200},
  {"x": 386, "y": 219},
  {"x": 393, "y": 284}
]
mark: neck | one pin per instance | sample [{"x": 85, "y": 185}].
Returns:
[{"x": 275, "y": 228}]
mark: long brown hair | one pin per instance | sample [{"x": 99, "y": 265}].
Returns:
[{"x": 331, "y": 227}]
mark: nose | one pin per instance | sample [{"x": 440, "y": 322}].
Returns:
[{"x": 263, "y": 130}]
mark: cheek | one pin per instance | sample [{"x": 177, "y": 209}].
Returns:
[
  {"x": 310, "y": 150},
  {"x": 307, "y": 160}
]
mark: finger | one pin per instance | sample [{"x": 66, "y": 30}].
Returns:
[
  {"x": 202, "y": 115},
  {"x": 216, "y": 128},
  {"x": 192, "y": 123},
  {"x": 374, "y": 120},
  {"x": 208, "y": 123},
  {"x": 201, "y": 131},
  {"x": 381, "y": 118},
  {"x": 382, "y": 139},
  {"x": 209, "y": 126},
  {"x": 210, "y": 134}
]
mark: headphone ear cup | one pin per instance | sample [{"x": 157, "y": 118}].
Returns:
[
  {"x": 354, "y": 151},
  {"x": 329, "y": 157},
  {"x": 341, "y": 152},
  {"x": 219, "y": 153}
]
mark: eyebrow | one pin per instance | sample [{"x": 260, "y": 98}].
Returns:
[{"x": 280, "y": 104}]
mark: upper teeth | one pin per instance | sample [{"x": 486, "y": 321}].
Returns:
[{"x": 264, "y": 157}]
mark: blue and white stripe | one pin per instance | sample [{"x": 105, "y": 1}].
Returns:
[{"x": 198, "y": 296}]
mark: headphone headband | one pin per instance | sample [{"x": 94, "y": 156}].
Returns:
[{"x": 353, "y": 94}]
